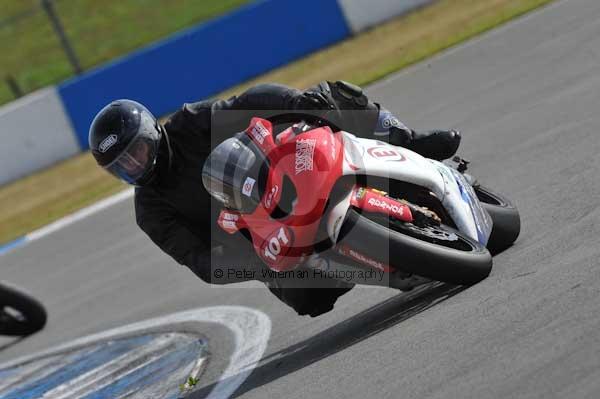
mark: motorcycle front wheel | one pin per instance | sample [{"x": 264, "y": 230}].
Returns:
[
  {"x": 504, "y": 214},
  {"x": 437, "y": 252}
]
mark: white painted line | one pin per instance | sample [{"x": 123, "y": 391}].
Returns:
[
  {"x": 81, "y": 214},
  {"x": 251, "y": 329},
  {"x": 251, "y": 335},
  {"x": 67, "y": 220}
]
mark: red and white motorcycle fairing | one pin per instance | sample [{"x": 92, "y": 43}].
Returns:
[
  {"x": 376, "y": 158},
  {"x": 314, "y": 161}
]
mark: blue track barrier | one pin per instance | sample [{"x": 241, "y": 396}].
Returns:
[{"x": 204, "y": 60}]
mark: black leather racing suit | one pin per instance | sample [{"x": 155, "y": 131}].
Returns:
[{"x": 180, "y": 216}]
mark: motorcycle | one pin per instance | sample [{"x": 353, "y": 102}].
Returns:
[
  {"x": 339, "y": 204},
  {"x": 20, "y": 313}
]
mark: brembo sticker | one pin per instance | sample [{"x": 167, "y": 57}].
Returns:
[
  {"x": 372, "y": 200},
  {"x": 397, "y": 210}
]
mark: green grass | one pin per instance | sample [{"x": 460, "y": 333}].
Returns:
[
  {"x": 98, "y": 30},
  {"x": 41, "y": 198}
]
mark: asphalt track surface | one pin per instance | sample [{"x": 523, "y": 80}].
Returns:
[{"x": 527, "y": 98}]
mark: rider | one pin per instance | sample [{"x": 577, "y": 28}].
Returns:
[{"x": 164, "y": 162}]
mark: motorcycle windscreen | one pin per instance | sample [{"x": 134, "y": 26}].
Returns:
[{"x": 235, "y": 173}]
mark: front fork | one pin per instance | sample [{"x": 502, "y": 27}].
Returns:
[{"x": 377, "y": 201}]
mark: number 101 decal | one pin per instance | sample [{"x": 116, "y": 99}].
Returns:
[{"x": 278, "y": 244}]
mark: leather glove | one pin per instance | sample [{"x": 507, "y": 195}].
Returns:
[{"x": 313, "y": 100}]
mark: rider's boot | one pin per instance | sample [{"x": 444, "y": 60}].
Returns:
[
  {"x": 311, "y": 296},
  {"x": 436, "y": 144}
]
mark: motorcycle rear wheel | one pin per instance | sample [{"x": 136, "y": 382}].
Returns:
[
  {"x": 437, "y": 252},
  {"x": 20, "y": 313}
]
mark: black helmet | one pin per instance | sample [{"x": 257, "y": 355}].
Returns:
[
  {"x": 124, "y": 138},
  {"x": 236, "y": 172}
]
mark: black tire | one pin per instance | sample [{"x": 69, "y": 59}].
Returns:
[
  {"x": 409, "y": 254},
  {"x": 507, "y": 222},
  {"x": 20, "y": 313}
]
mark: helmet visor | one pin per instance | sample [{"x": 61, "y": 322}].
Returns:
[{"x": 137, "y": 161}]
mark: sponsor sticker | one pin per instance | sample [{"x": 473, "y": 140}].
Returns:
[
  {"x": 271, "y": 195},
  {"x": 386, "y": 121},
  {"x": 360, "y": 193},
  {"x": 230, "y": 216},
  {"x": 384, "y": 205},
  {"x": 391, "y": 121},
  {"x": 373, "y": 200},
  {"x": 305, "y": 151},
  {"x": 107, "y": 143},
  {"x": 229, "y": 225},
  {"x": 248, "y": 186},
  {"x": 351, "y": 253},
  {"x": 228, "y": 221},
  {"x": 259, "y": 132}
]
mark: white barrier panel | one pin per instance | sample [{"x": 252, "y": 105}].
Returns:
[
  {"x": 362, "y": 14},
  {"x": 34, "y": 133}
]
